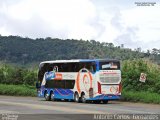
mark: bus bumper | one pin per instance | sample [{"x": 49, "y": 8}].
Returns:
[{"x": 106, "y": 97}]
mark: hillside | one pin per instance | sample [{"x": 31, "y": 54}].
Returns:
[{"x": 18, "y": 50}]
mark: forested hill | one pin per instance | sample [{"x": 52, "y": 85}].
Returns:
[{"x": 15, "y": 49}]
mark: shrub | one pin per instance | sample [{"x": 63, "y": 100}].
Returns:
[
  {"x": 131, "y": 70},
  {"x": 16, "y": 75}
]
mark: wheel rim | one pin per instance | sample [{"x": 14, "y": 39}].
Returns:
[
  {"x": 105, "y": 101},
  {"x": 46, "y": 96},
  {"x": 83, "y": 99},
  {"x": 52, "y": 96},
  {"x": 76, "y": 97}
]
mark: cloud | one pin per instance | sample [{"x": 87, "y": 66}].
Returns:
[
  {"x": 134, "y": 27},
  {"x": 146, "y": 18},
  {"x": 103, "y": 20},
  {"x": 125, "y": 34},
  {"x": 55, "y": 18},
  {"x": 151, "y": 44},
  {"x": 128, "y": 38},
  {"x": 116, "y": 21}
]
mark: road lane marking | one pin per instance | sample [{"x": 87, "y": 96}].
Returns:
[
  {"x": 57, "y": 108},
  {"x": 7, "y": 111}
]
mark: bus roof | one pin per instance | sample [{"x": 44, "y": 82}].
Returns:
[{"x": 78, "y": 60}]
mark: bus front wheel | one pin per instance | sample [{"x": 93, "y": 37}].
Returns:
[{"x": 47, "y": 96}]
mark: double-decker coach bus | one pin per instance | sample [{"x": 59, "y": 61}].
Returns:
[{"x": 80, "y": 80}]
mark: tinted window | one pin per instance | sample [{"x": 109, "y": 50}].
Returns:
[
  {"x": 74, "y": 67},
  {"x": 109, "y": 65},
  {"x": 91, "y": 66},
  {"x": 65, "y": 84},
  {"x": 42, "y": 69},
  {"x": 65, "y": 67},
  {"x": 69, "y": 84}
]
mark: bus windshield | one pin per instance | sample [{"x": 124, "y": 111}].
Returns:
[{"x": 111, "y": 65}]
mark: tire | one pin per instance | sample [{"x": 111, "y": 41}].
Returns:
[
  {"x": 76, "y": 97},
  {"x": 47, "y": 96},
  {"x": 97, "y": 101},
  {"x": 105, "y": 101},
  {"x": 66, "y": 100},
  {"x": 52, "y": 96},
  {"x": 83, "y": 99}
]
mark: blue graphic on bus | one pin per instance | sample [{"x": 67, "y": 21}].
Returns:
[{"x": 50, "y": 75}]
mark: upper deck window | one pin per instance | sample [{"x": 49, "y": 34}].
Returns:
[{"x": 111, "y": 65}]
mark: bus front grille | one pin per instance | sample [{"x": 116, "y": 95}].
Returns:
[{"x": 108, "y": 79}]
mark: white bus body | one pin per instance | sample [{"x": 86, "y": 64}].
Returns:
[{"x": 80, "y": 80}]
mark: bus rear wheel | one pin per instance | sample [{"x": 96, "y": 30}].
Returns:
[
  {"x": 97, "y": 101},
  {"x": 83, "y": 98},
  {"x": 47, "y": 96},
  {"x": 76, "y": 97},
  {"x": 105, "y": 101},
  {"x": 52, "y": 96}
]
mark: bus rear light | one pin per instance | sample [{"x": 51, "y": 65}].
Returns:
[
  {"x": 99, "y": 88},
  {"x": 120, "y": 87}
]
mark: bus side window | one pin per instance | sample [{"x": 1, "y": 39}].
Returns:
[
  {"x": 55, "y": 68},
  {"x": 94, "y": 67},
  {"x": 83, "y": 70},
  {"x": 91, "y": 69},
  {"x": 90, "y": 66}
]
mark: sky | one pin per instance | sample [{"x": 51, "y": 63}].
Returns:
[{"x": 116, "y": 21}]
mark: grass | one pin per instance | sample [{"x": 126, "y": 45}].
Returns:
[
  {"x": 141, "y": 96},
  {"x": 17, "y": 90}
]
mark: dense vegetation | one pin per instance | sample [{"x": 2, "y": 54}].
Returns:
[
  {"x": 24, "y": 51},
  {"x": 131, "y": 71},
  {"x": 17, "y": 75}
]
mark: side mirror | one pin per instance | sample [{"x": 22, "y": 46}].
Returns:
[{"x": 38, "y": 85}]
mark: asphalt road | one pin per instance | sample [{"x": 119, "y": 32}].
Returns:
[{"x": 37, "y": 108}]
